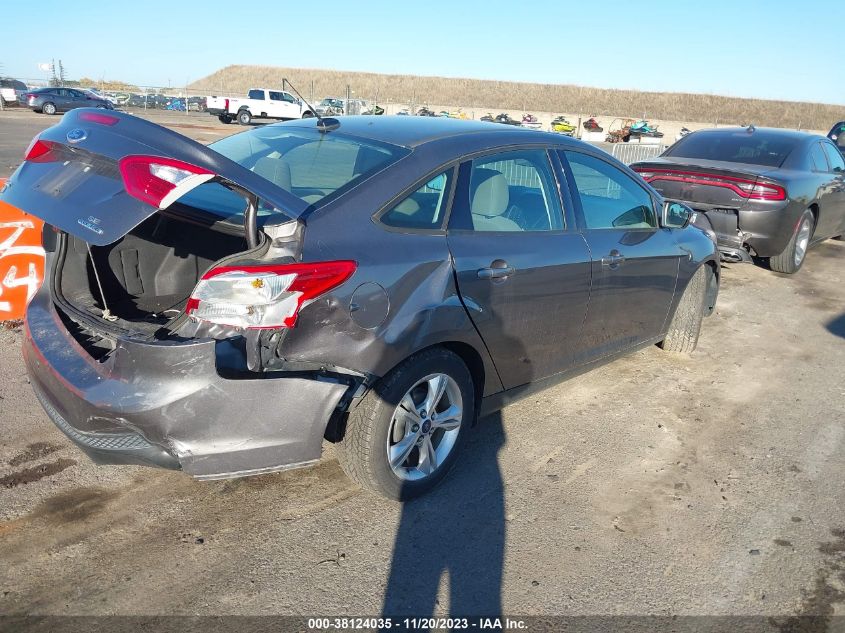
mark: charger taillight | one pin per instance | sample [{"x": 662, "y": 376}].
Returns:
[
  {"x": 743, "y": 187},
  {"x": 160, "y": 181},
  {"x": 263, "y": 297}
]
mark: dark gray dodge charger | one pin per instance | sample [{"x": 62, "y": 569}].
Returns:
[
  {"x": 378, "y": 282},
  {"x": 768, "y": 193}
]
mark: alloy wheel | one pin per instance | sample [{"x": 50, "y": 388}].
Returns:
[
  {"x": 802, "y": 240},
  {"x": 424, "y": 427}
]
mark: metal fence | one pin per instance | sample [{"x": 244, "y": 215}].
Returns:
[{"x": 632, "y": 152}]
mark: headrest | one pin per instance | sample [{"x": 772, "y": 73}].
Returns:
[
  {"x": 490, "y": 193},
  {"x": 407, "y": 207}
]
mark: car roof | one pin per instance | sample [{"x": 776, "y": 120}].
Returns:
[
  {"x": 794, "y": 135},
  {"x": 413, "y": 131}
]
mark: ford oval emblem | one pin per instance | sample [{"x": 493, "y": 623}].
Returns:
[{"x": 76, "y": 135}]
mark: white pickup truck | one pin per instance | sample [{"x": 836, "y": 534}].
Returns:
[{"x": 260, "y": 103}]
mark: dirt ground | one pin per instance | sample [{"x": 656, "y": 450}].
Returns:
[{"x": 659, "y": 484}]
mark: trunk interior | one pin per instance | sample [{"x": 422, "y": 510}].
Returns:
[{"x": 147, "y": 276}]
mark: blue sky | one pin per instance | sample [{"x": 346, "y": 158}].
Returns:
[{"x": 769, "y": 49}]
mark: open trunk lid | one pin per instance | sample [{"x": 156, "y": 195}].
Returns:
[{"x": 91, "y": 175}]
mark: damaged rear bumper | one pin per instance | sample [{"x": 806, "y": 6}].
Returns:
[{"x": 164, "y": 404}]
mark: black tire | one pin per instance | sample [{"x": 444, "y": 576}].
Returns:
[
  {"x": 792, "y": 257},
  {"x": 225, "y": 118},
  {"x": 685, "y": 326},
  {"x": 244, "y": 117},
  {"x": 307, "y": 114},
  {"x": 363, "y": 450},
  {"x": 49, "y": 108}
]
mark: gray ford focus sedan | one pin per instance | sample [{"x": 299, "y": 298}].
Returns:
[{"x": 376, "y": 282}]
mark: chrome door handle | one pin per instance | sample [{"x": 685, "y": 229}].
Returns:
[
  {"x": 495, "y": 273},
  {"x": 614, "y": 260}
]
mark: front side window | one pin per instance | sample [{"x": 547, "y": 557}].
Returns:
[
  {"x": 425, "y": 208},
  {"x": 513, "y": 191},
  {"x": 610, "y": 198},
  {"x": 275, "y": 96}
]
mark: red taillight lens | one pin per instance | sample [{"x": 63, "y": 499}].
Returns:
[
  {"x": 743, "y": 187},
  {"x": 96, "y": 117},
  {"x": 160, "y": 181},
  {"x": 39, "y": 151},
  {"x": 227, "y": 104},
  {"x": 262, "y": 297}
]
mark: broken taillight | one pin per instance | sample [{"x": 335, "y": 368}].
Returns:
[
  {"x": 160, "y": 181},
  {"x": 262, "y": 297}
]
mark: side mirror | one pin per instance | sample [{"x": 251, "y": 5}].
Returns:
[{"x": 675, "y": 215}]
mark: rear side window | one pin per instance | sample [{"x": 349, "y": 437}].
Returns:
[
  {"x": 817, "y": 159},
  {"x": 514, "y": 191},
  {"x": 760, "y": 147},
  {"x": 423, "y": 209},
  {"x": 610, "y": 198},
  {"x": 306, "y": 163},
  {"x": 256, "y": 94},
  {"x": 833, "y": 157}
]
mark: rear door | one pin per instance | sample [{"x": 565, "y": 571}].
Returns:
[
  {"x": 834, "y": 200},
  {"x": 634, "y": 261},
  {"x": 64, "y": 100},
  {"x": 523, "y": 270}
]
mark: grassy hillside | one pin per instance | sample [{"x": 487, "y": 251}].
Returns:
[{"x": 495, "y": 95}]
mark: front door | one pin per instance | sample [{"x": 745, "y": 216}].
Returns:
[
  {"x": 523, "y": 269},
  {"x": 634, "y": 261}
]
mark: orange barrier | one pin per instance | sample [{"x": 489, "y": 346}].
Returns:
[{"x": 21, "y": 260}]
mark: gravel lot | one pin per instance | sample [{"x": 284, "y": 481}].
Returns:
[{"x": 655, "y": 485}]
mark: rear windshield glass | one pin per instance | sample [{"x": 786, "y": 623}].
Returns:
[
  {"x": 306, "y": 163},
  {"x": 312, "y": 166},
  {"x": 755, "y": 148}
]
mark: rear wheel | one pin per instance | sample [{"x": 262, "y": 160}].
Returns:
[
  {"x": 686, "y": 322},
  {"x": 405, "y": 435},
  {"x": 48, "y": 108},
  {"x": 244, "y": 117},
  {"x": 792, "y": 257}
]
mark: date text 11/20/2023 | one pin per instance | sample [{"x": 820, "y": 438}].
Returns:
[{"x": 416, "y": 624}]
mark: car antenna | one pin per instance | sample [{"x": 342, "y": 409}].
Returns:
[{"x": 324, "y": 124}]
